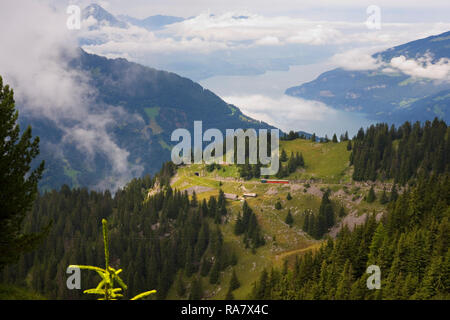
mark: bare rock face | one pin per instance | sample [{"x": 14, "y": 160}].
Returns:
[{"x": 352, "y": 220}]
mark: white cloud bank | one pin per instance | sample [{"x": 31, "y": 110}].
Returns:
[
  {"x": 289, "y": 113},
  {"x": 206, "y": 33},
  {"x": 35, "y": 46},
  {"x": 421, "y": 67},
  {"x": 284, "y": 112},
  {"x": 355, "y": 59}
]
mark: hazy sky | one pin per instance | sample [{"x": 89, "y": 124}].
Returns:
[{"x": 351, "y": 10}]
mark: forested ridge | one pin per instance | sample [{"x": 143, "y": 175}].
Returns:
[
  {"x": 409, "y": 244},
  {"x": 403, "y": 153},
  {"x": 165, "y": 239}
]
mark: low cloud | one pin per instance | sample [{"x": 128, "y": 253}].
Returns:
[
  {"x": 231, "y": 37},
  {"x": 234, "y": 30},
  {"x": 236, "y": 27},
  {"x": 356, "y": 59},
  {"x": 423, "y": 67},
  {"x": 33, "y": 60},
  {"x": 289, "y": 113},
  {"x": 286, "y": 113}
]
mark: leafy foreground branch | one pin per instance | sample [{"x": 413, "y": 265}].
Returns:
[{"x": 109, "y": 276}]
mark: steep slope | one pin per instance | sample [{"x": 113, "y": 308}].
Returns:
[
  {"x": 140, "y": 226},
  {"x": 391, "y": 96},
  {"x": 438, "y": 45},
  {"x": 146, "y": 217},
  {"x": 145, "y": 105}
]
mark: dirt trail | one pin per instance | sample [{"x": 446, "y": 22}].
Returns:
[
  {"x": 198, "y": 189},
  {"x": 281, "y": 256}
]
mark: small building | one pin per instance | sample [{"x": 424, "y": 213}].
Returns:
[
  {"x": 231, "y": 196},
  {"x": 249, "y": 195}
]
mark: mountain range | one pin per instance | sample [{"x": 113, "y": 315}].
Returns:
[
  {"x": 119, "y": 35},
  {"x": 385, "y": 93},
  {"x": 103, "y": 17}
]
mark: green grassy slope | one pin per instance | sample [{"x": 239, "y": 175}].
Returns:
[
  {"x": 326, "y": 166},
  {"x": 324, "y": 161}
]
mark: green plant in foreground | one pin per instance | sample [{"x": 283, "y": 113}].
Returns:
[{"x": 109, "y": 276}]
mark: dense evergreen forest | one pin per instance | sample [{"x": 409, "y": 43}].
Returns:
[
  {"x": 286, "y": 166},
  {"x": 318, "y": 224},
  {"x": 401, "y": 153},
  {"x": 410, "y": 245},
  {"x": 247, "y": 224},
  {"x": 165, "y": 239},
  {"x": 158, "y": 241}
]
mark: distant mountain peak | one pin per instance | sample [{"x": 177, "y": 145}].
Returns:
[{"x": 101, "y": 16}]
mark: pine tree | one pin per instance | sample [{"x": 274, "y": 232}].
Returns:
[
  {"x": 194, "y": 202},
  {"x": 299, "y": 160},
  {"x": 283, "y": 156},
  {"x": 289, "y": 219},
  {"x": 261, "y": 289},
  {"x": 384, "y": 199},
  {"x": 196, "y": 292},
  {"x": 349, "y": 145},
  {"x": 179, "y": 285},
  {"x": 189, "y": 266},
  {"x": 234, "y": 282},
  {"x": 18, "y": 187},
  {"x": 306, "y": 223},
  {"x": 371, "y": 195},
  {"x": 335, "y": 140},
  {"x": 345, "y": 136},
  {"x": 214, "y": 274},
  {"x": 239, "y": 226},
  {"x": 205, "y": 267},
  {"x": 229, "y": 295},
  {"x": 394, "y": 194},
  {"x": 434, "y": 282},
  {"x": 342, "y": 212},
  {"x": 292, "y": 165},
  {"x": 289, "y": 197},
  {"x": 344, "y": 286}
]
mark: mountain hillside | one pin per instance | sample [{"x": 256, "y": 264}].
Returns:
[
  {"x": 155, "y": 103},
  {"x": 140, "y": 218},
  {"x": 392, "y": 96},
  {"x": 190, "y": 229}
]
